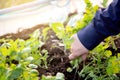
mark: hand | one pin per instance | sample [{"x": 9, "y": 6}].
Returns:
[{"x": 77, "y": 49}]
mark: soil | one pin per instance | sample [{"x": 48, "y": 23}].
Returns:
[
  {"x": 59, "y": 59},
  {"x": 24, "y": 34}
]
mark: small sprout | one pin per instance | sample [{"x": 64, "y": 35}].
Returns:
[
  {"x": 60, "y": 76},
  {"x": 69, "y": 69}
]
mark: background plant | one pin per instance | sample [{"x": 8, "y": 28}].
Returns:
[{"x": 20, "y": 58}]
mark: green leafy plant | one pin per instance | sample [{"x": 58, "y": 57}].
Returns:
[
  {"x": 113, "y": 65},
  {"x": 63, "y": 33},
  {"x": 20, "y": 58},
  {"x": 102, "y": 64},
  {"x": 88, "y": 15},
  {"x": 45, "y": 32}
]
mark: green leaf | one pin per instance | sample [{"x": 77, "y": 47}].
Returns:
[
  {"x": 35, "y": 34},
  {"x": 34, "y": 71},
  {"x": 75, "y": 63},
  {"x": 59, "y": 29},
  {"x": 33, "y": 66},
  {"x": 15, "y": 73},
  {"x": 30, "y": 58},
  {"x": 3, "y": 72},
  {"x": 26, "y": 50},
  {"x": 4, "y": 51},
  {"x": 60, "y": 76},
  {"x": 108, "y": 53},
  {"x": 113, "y": 65},
  {"x": 69, "y": 69},
  {"x": 45, "y": 32}
]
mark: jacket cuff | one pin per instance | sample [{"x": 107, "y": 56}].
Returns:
[{"x": 89, "y": 37}]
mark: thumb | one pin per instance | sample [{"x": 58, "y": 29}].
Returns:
[{"x": 73, "y": 56}]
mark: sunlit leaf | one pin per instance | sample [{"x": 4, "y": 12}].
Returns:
[{"x": 15, "y": 73}]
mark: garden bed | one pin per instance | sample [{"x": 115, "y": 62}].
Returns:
[
  {"x": 41, "y": 52},
  {"x": 58, "y": 59}
]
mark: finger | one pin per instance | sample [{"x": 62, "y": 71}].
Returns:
[
  {"x": 73, "y": 56},
  {"x": 84, "y": 56}
]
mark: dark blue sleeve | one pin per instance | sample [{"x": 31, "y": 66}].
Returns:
[{"x": 105, "y": 23}]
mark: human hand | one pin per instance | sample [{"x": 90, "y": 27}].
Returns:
[{"x": 77, "y": 49}]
